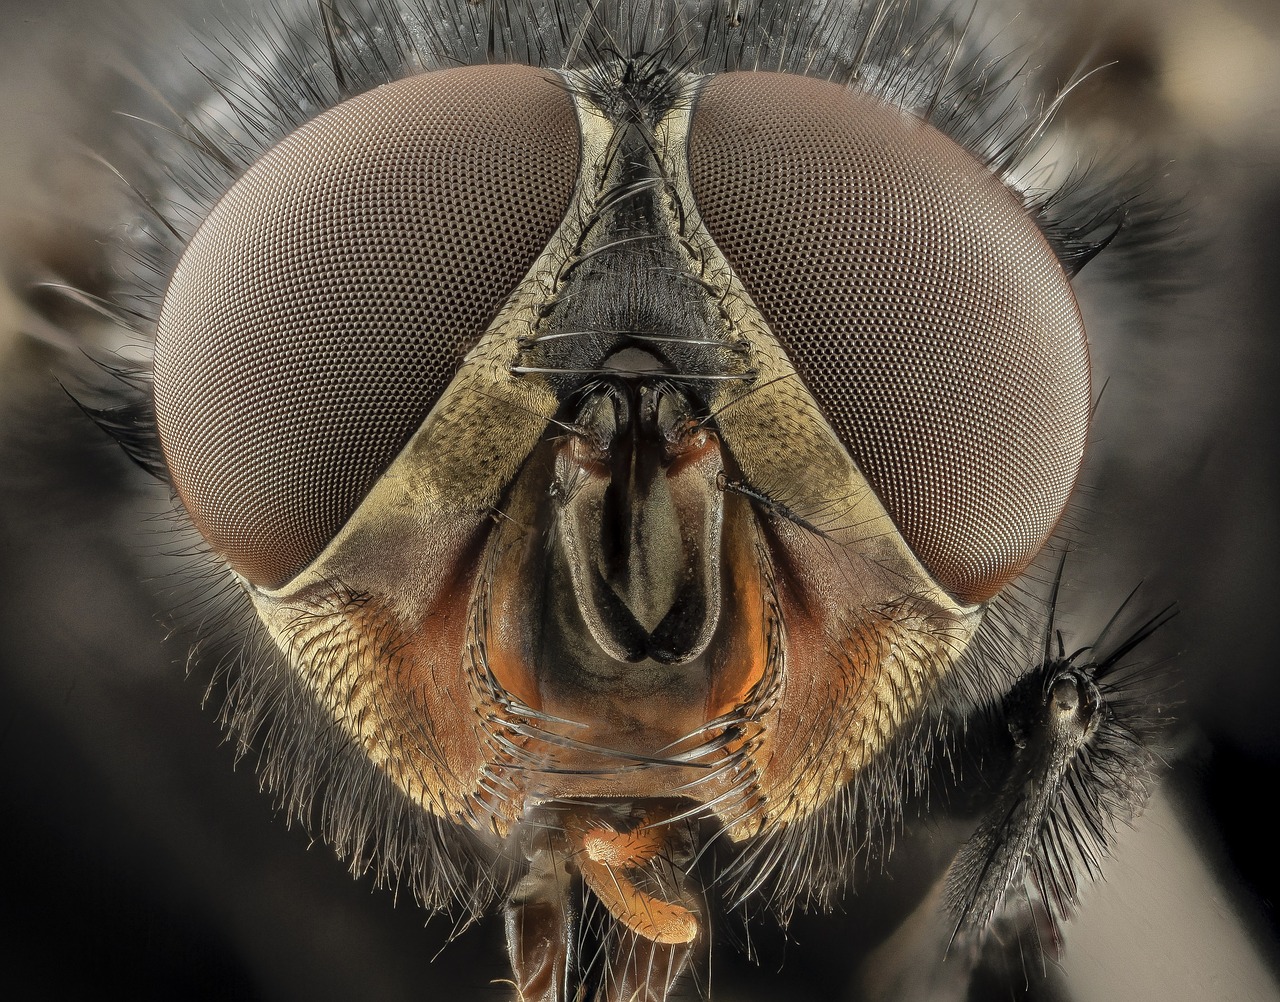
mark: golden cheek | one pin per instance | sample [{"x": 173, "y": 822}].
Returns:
[
  {"x": 395, "y": 686},
  {"x": 451, "y": 674}
]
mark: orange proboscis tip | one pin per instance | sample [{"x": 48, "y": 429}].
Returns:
[
  {"x": 606, "y": 854},
  {"x": 641, "y": 912}
]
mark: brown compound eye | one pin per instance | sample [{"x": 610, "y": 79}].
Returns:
[
  {"x": 920, "y": 302},
  {"x": 323, "y": 306}
]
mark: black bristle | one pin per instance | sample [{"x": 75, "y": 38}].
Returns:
[{"x": 1083, "y": 734}]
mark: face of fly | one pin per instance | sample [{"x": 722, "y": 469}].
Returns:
[{"x": 714, "y": 499}]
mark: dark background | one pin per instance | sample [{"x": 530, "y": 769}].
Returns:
[{"x": 139, "y": 859}]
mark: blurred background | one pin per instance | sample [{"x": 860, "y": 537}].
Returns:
[{"x": 141, "y": 860}]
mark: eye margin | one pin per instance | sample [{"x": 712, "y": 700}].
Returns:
[
  {"x": 361, "y": 258},
  {"x": 925, "y": 311}
]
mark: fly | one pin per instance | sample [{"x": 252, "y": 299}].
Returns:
[{"x": 630, "y": 425}]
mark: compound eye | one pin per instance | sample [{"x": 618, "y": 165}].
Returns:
[
  {"x": 920, "y": 302},
  {"x": 324, "y": 305}
]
